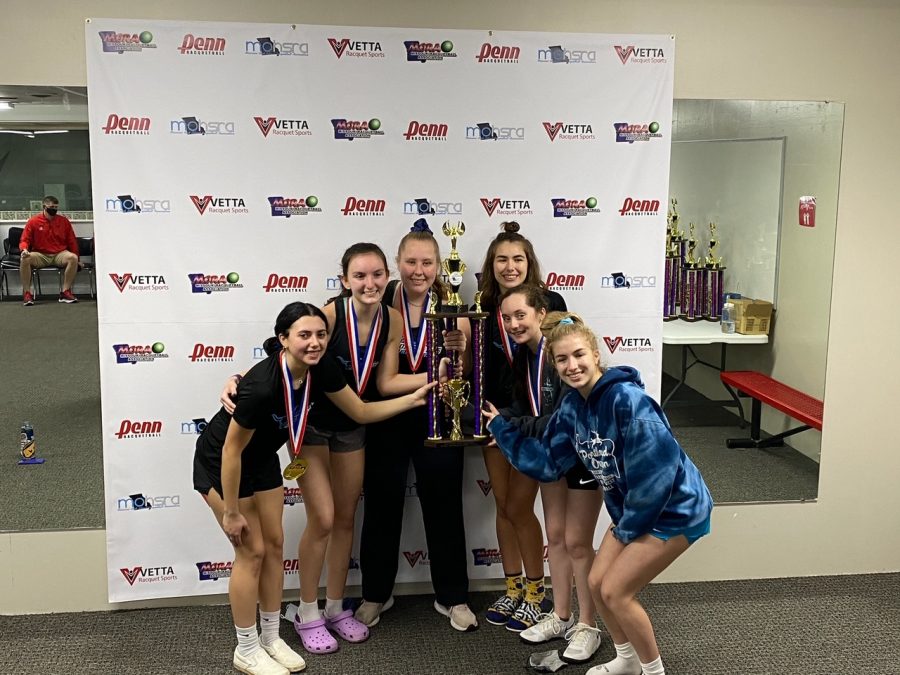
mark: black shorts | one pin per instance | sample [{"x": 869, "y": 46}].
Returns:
[
  {"x": 579, "y": 478},
  {"x": 254, "y": 478}
]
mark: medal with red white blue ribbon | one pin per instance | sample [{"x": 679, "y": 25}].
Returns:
[
  {"x": 509, "y": 346},
  {"x": 362, "y": 365},
  {"x": 534, "y": 388},
  {"x": 415, "y": 343},
  {"x": 296, "y": 408}
]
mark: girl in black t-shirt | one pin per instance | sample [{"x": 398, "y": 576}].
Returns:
[
  {"x": 510, "y": 262},
  {"x": 236, "y": 469}
]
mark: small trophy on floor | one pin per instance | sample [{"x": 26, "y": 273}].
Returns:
[{"x": 27, "y": 446}]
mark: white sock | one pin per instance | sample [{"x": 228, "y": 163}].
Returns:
[
  {"x": 309, "y": 611},
  {"x": 248, "y": 640},
  {"x": 268, "y": 627},
  {"x": 654, "y": 667},
  {"x": 333, "y": 607},
  {"x": 625, "y": 663}
]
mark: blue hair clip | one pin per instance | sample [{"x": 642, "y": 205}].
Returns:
[
  {"x": 568, "y": 319},
  {"x": 421, "y": 225}
]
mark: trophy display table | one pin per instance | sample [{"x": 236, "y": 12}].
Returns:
[{"x": 690, "y": 333}]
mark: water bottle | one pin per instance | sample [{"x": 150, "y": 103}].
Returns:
[
  {"x": 728, "y": 318},
  {"x": 27, "y": 447}
]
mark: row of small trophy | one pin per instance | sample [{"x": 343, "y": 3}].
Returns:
[
  {"x": 445, "y": 409},
  {"x": 693, "y": 288}
]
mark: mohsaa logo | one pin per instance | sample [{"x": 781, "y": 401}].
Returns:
[
  {"x": 421, "y": 52},
  {"x": 565, "y": 282},
  {"x": 629, "y": 133},
  {"x": 128, "y": 353}
]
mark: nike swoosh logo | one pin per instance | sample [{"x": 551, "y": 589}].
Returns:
[{"x": 582, "y": 481}]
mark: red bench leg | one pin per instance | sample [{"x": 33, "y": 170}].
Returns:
[{"x": 755, "y": 441}]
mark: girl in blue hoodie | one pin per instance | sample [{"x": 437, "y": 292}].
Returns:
[{"x": 655, "y": 496}]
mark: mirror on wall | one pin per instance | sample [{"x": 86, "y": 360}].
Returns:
[
  {"x": 741, "y": 164},
  {"x": 745, "y": 166}
]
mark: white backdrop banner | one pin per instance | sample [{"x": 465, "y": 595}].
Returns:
[{"x": 233, "y": 164}]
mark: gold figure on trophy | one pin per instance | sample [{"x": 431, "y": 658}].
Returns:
[
  {"x": 711, "y": 260},
  {"x": 452, "y": 265},
  {"x": 458, "y": 391},
  {"x": 691, "y": 261},
  {"x": 478, "y": 302}
]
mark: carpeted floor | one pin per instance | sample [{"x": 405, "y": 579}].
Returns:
[{"x": 809, "y": 626}]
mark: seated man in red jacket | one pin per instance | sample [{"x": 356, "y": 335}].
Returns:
[{"x": 49, "y": 241}]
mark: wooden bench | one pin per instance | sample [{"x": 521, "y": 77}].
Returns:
[{"x": 763, "y": 389}]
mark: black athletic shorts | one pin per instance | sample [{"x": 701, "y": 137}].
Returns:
[
  {"x": 579, "y": 478},
  {"x": 254, "y": 478}
]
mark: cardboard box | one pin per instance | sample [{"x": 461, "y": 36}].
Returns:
[{"x": 752, "y": 317}]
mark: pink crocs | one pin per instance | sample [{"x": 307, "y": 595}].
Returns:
[
  {"x": 315, "y": 636},
  {"x": 348, "y": 628}
]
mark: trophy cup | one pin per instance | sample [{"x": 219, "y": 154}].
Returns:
[
  {"x": 459, "y": 390},
  {"x": 713, "y": 275},
  {"x": 677, "y": 252},
  {"x": 691, "y": 301},
  {"x": 672, "y": 269}
]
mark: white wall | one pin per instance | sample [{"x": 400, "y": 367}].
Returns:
[{"x": 827, "y": 50}]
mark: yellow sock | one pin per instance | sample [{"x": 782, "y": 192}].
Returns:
[
  {"x": 534, "y": 590},
  {"x": 514, "y": 586}
]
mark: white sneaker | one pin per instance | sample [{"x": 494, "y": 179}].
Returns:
[
  {"x": 284, "y": 655},
  {"x": 370, "y": 613},
  {"x": 548, "y": 627},
  {"x": 584, "y": 641},
  {"x": 258, "y": 663},
  {"x": 461, "y": 617}
]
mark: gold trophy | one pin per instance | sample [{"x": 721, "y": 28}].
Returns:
[
  {"x": 713, "y": 280},
  {"x": 458, "y": 389}
]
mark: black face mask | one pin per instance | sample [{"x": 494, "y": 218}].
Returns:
[{"x": 51, "y": 212}]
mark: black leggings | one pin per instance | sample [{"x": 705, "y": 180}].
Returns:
[{"x": 439, "y": 474}]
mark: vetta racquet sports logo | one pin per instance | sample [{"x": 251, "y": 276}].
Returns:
[
  {"x": 348, "y": 130},
  {"x": 629, "y": 344},
  {"x": 139, "y": 282},
  {"x": 192, "y": 126},
  {"x": 558, "y": 54},
  {"x": 426, "y": 207},
  {"x": 206, "y": 46},
  {"x": 420, "y": 52},
  {"x": 416, "y": 558},
  {"x": 497, "y": 54},
  {"x": 148, "y": 575},
  {"x": 486, "y": 556},
  {"x": 266, "y": 46},
  {"x": 292, "y": 495},
  {"x": 139, "y": 429},
  {"x": 285, "y": 207},
  {"x": 213, "y": 571},
  {"x": 425, "y": 131},
  {"x": 359, "y": 206},
  {"x": 119, "y": 43},
  {"x": 485, "y": 131},
  {"x": 484, "y": 486},
  {"x": 639, "y": 207},
  {"x": 280, "y": 283},
  {"x": 129, "y": 353},
  {"x": 564, "y": 282},
  {"x": 128, "y": 204},
  {"x": 211, "y": 353},
  {"x": 357, "y": 49},
  {"x": 282, "y": 127},
  {"x": 214, "y": 283},
  {"x": 631, "y": 54},
  {"x": 216, "y": 205},
  {"x": 506, "y": 207},
  {"x": 124, "y": 125},
  {"x": 569, "y": 131},
  {"x": 564, "y": 207},
  {"x": 629, "y": 133}
]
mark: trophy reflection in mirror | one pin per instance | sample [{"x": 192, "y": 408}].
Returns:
[
  {"x": 713, "y": 278},
  {"x": 444, "y": 411}
]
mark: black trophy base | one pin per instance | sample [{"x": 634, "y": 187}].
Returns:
[
  {"x": 465, "y": 440},
  {"x": 690, "y": 319}
]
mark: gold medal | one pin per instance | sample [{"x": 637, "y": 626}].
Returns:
[{"x": 295, "y": 469}]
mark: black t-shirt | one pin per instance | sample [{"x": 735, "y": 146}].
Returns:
[
  {"x": 260, "y": 406},
  {"x": 324, "y": 414},
  {"x": 499, "y": 380}
]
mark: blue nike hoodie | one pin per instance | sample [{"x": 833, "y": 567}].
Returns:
[{"x": 623, "y": 438}]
